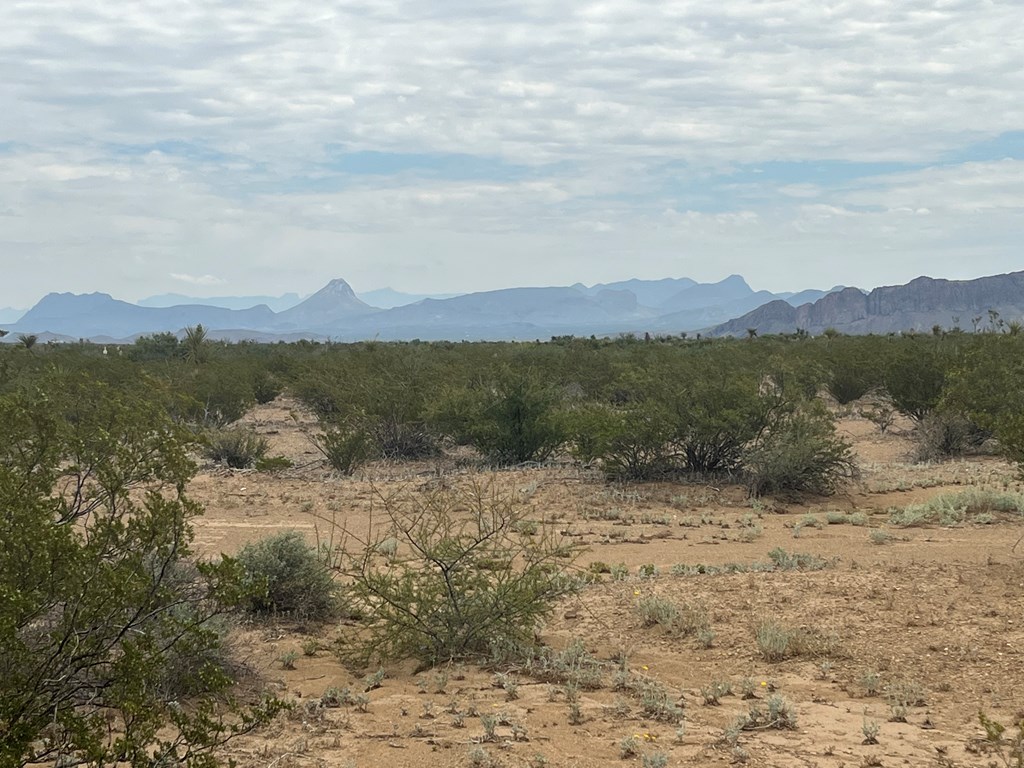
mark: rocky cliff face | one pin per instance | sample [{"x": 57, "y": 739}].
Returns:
[{"x": 917, "y": 306}]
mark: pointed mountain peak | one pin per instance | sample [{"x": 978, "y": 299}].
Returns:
[
  {"x": 737, "y": 281},
  {"x": 335, "y": 301},
  {"x": 337, "y": 287}
]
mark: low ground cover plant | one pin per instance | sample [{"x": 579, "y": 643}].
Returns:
[{"x": 976, "y": 505}]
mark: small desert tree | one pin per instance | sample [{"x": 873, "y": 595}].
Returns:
[{"x": 98, "y": 597}]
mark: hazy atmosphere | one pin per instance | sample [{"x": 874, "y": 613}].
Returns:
[{"x": 213, "y": 148}]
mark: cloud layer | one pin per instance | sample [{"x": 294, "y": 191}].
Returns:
[{"x": 466, "y": 145}]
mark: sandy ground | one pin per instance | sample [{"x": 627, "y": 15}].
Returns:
[{"x": 939, "y": 611}]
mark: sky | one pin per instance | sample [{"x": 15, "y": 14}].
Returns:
[{"x": 212, "y": 148}]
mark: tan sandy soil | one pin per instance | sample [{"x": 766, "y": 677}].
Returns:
[{"x": 939, "y": 608}]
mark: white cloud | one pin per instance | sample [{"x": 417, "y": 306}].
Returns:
[{"x": 149, "y": 137}]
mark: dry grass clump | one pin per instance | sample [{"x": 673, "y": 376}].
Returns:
[
  {"x": 681, "y": 620},
  {"x": 976, "y": 505},
  {"x": 776, "y": 641}
]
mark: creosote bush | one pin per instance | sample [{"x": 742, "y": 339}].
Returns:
[
  {"x": 288, "y": 579},
  {"x": 802, "y": 454},
  {"x": 464, "y": 577}
]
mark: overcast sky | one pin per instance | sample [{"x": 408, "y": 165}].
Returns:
[{"x": 211, "y": 148}]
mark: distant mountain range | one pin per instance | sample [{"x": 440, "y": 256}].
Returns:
[
  {"x": 388, "y": 298},
  {"x": 383, "y": 298},
  {"x": 669, "y": 306},
  {"x": 276, "y": 303},
  {"x": 919, "y": 305}
]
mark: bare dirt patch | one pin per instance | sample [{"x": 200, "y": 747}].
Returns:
[{"x": 920, "y": 627}]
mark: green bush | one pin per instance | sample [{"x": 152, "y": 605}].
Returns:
[
  {"x": 273, "y": 463},
  {"x": 215, "y": 393},
  {"x": 105, "y": 619},
  {"x": 239, "y": 448},
  {"x": 287, "y": 579},
  {"x": 265, "y": 386},
  {"x": 464, "y": 580},
  {"x": 1002, "y": 743},
  {"x": 632, "y": 443},
  {"x": 948, "y": 509},
  {"x": 852, "y": 370},
  {"x": 656, "y": 610},
  {"x": 346, "y": 450},
  {"x": 776, "y": 712},
  {"x": 985, "y": 394},
  {"x": 915, "y": 377},
  {"x": 802, "y": 454},
  {"x": 718, "y": 412},
  {"x": 512, "y": 419}
]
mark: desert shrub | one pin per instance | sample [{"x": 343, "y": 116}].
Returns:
[
  {"x": 985, "y": 391},
  {"x": 158, "y": 346},
  {"x": 655, "y": 700},
  {"x": 273, "y": 463},
  {"x": 266, "y": 387},
  {"x": 802, "y": 454},
  {"x": 398, "y": 439},
  {"x": 915, "y": 376},
  {"x": 464, "y": 579},
  {"x": 350, "y": 442},
  {"x": 632, "y": 443},
  {"x": 574, "y": 666},
  {"x": 718, "y": 411},
  {"x": 346, "y": 449},
  {"x": 288, "y": 579},
  {"x": 851, "y": 372},
  {"x": 238, "y": 448},
  {"x": 215, "y": 393},
  {"x": 386, "y": 392},
  {"x": 513, "y": 418},
  {"x": 654, "y": 760},
  {"x": 106, "y": 617},
  {"x": 192, "y": 660},
  {"x": 654, "y": 610},
  {"x": 796, "y": 561},
  {"x": 947, "y": 434}
]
